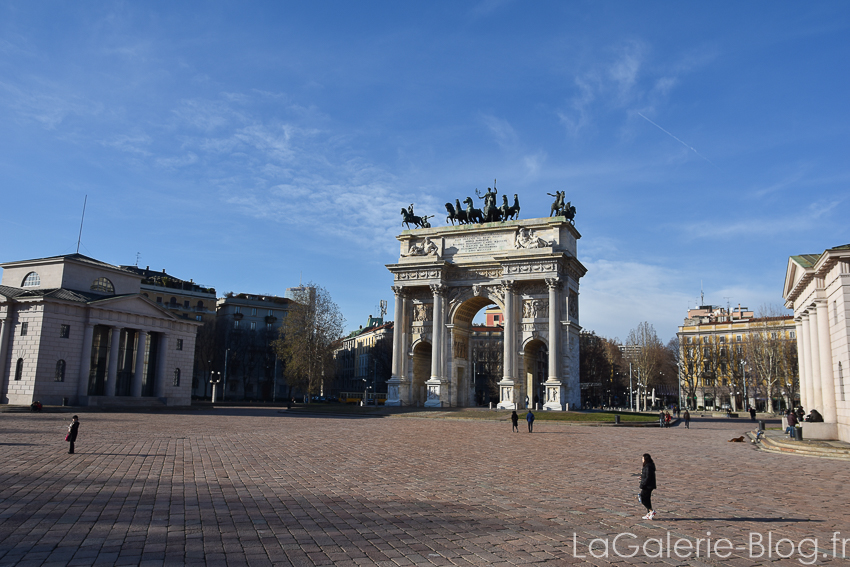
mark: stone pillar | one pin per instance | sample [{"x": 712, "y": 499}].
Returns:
[
  {"x": 5, "y": 324},
  {"x": 85, "y": 361},
  {"x": 554, "y": 387},
  {"x": 814, "y": 351},
  {"x": 807, "y": 349},
  {"x": 801, "y": 363},
  {"x": 112, "y": 372},
  {"x": 139, "y": 370},
  {"x": 161, "y": 368},
  {"x": 393, "y": 389},
  {"x": 507, "y": 396},
  {"x": 827, "y": 382},
  {"x": 434, "y": 384}
]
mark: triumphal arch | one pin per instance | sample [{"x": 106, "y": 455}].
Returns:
[{"x": 445, "y": 275}]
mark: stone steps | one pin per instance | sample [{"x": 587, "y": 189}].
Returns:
[{"x": 820, "y": 449}]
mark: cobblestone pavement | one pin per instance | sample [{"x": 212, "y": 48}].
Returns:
[{"x": 259, "y": 487}]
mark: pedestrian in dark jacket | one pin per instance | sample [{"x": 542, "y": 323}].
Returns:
[
  {"x": 647, "y": 485},
  {"x": 687, "y": 418},
  {"x": 515, "y": 422},
  {"x": 72, "y": 433},
  {"x": 752, "y": 413},
  {"x": 529, "y": 417}
]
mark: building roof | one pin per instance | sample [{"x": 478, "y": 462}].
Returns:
[
  {"x": 55, "y": 293},
  {"x": 73, "y": 257}
]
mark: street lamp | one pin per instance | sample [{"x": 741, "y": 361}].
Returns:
[
  {"x": 744, "y": 377},
  {"x": 215, "y": 378}
]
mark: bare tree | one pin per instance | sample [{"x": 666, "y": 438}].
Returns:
[
  {"x": 644, "y": 351},
  {"x": 769, "y": 353},
  {"x": 308, "y": 337}
]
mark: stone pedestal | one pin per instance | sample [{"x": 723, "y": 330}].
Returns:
[
  {"x": 555, "y": 395},
  {"x": 506, "y": 395},
  {"x": 435, "y": 389},
  {"x": 394, "y": 387}
]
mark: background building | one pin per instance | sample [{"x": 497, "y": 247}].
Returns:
[
  {"x": 246, "y": 326},
  {"x": 730, "y": 359},
  {"x": 186, "y": 299},
  {"x": 817, "y": 288},
  {"x": 364, "y": 360},
  {"x": 74, "y": 330}
]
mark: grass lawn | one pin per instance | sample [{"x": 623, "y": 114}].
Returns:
[{"x": 474, "y": 413}]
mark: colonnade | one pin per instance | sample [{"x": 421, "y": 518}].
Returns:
[
  {"x": 814, "y": 348},
  {"x": 137, "y": 384}
]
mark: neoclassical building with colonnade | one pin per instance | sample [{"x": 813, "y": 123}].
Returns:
[
  {"x": 77, "y": 331},
  {"x": 817, "y": 288}
]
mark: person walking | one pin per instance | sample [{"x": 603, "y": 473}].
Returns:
[
  {"x": 647, "y": 485},
  {"x": 529, "y": 417},
  {"x": 515, "y": 422},
  {"x": 661, "y": 418},
  {"x": 752, "y": 413},
  {"x": 687, "y": 418},
  {"x": 72, "y": 433}
]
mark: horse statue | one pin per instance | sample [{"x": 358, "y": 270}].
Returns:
[
  {"x": 504, "y": 210},
  {"x": 408, "y": 218},
  {"x": 568, "y": 212},
  {"x": 425, "y": 223},
  {"x": 472, "y": 214},
  {"x": 452, "y": 214},
  {"x": 460, "y": 213},
  {"x": 513, "y": 211}
]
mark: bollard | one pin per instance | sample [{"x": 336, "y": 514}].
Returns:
[
  {"x": 761, "y": 425},
  {"x": 798, "y": 432},
  {"x": 617, "y": 419}
]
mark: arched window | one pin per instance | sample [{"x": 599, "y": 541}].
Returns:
[
  {"x": 176, "y": 376},
  {"x": 200, "y": 305},
  {"x": 31, "y": 280},
  {"x": 102, "y": 285},
  {"x": 60, "y": 371},
  {"x": 19, "y": 369}
]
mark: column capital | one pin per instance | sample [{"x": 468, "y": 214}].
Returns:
[
  {"x": 508, "y": 285},
  {"x": 399, "y": 291},
  {"x": 553, "y": 283},
  {"x": 438, "y": 289}
]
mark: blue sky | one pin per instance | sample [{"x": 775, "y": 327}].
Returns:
[{"x": 245, "y": 144}]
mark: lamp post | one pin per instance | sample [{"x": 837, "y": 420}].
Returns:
[
  {"x": 744, "y": 378},
  {"x": 215, "y": 378},
  {"x": 631, "y": 390}
]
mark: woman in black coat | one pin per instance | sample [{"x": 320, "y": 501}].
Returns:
[
  {"x": 647, "y": 485},
  {"x": 72, "y": 433}
]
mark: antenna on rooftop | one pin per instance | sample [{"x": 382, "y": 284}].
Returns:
[
  {"x": 383, "y": 308},
  {"x": 138, "y": 255},
  {"x": 80, "y": 236},
  {"x": 727, "y": 303},
  {"x": 701, "y": 295}
]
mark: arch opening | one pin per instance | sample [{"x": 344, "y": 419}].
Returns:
[
  {"x": 535, "y": 356},
  {"x": 477, "y": 353},
  {"x": 421, "y": 373}
]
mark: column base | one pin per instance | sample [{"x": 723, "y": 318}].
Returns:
[
  {"x": 506, "y": 395},
  {"x": 434, "y": 387},
  {"x": 394, "y": 387},
  {"x": 555, "y": 395},
  {"x": 823, "y": 430}
]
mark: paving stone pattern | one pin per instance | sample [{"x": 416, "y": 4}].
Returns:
[{"x": 260, "y": 487}]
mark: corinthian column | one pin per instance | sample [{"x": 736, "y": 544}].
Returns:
[
  {"x": 507, "y": 395},
  {"x": 814, "y": 351},
  {"x": 801, "y": 363},
  {"x": 85, "y": 361},
  {"x": 138, "y": 374},
  {"x": 554, "y": 386},
  {"x": 393, "y": 390},
  {"x": 112, "y": 372},
  {"x": 830, "y": 413},
  {"x": 434, "y": 384}
]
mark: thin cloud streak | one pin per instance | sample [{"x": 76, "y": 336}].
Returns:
[{"x": 675, "y": 138}]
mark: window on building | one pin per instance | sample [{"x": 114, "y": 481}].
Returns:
[
  {"x": 24, "y": 328},
  {"x": 159, "y": 300},
  {"x": 31, "y": 280},
  {"x": 179, "y": 344},
  {"x": 64, "y": 331},
  {"x": 722, "y": 340},
  {"x": 60, "y": 371},
  {"x": 690, "y": 340},
  {"x": 268, "y": 326},
  {"x": 185, "y": 304},
  {"x": 773, "y": 335},
  {"x": 705, "y": 352},
  {"x": 792, "y": 334},
  {"x": 102, "y": 285},
  {"x": 253, "y": 312},
  {"x": 19, "y": 369},
  {"x": 723, "y": 367},
  {"x": 739, "y": 349},
  {"x": 253, "y": 325},
  {"x": 176, "y": 376},
  {"x": 236, "y": 324},
  {"x": 237, "y": 309},
  {"x": 737, "y": 338},
  {"x": 198, "y": 318},
  {"x": 200, "y": 305},
  {"x": 172, "y": 302},
  {"x": 271, "y": 313}
]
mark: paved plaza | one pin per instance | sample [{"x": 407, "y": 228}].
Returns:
[{"x": 263, "y": 487}]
